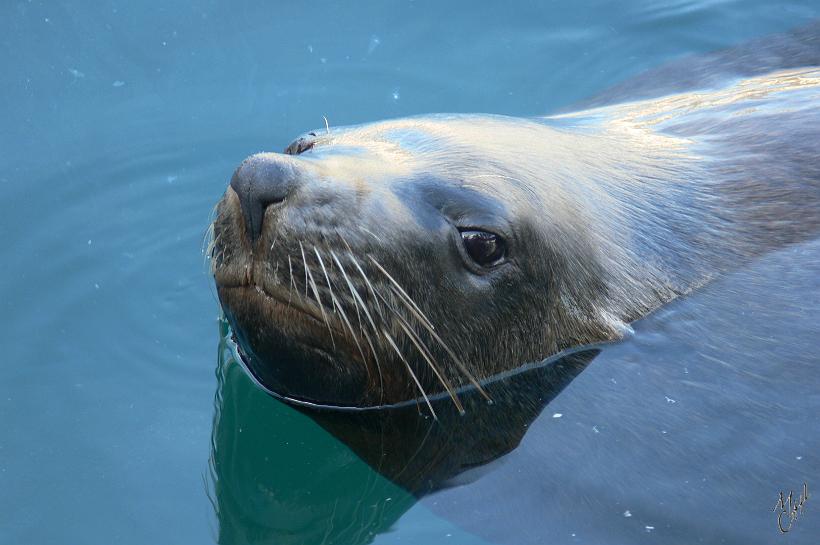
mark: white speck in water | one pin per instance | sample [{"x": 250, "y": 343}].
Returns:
[
  {"x": 798, "y": 457},
  {"x": 396, "y": 95},
  {"x": 663, "y": 432},
  {"x": 310, "y": 48},
  {"x": 613, "y": 381},
  {"x": 47, "y": 20},
  {"x": 164, "y": 44},
  {"x": 89, "y": 242},
  {"x": 171, "y": 179},
  {"x": 627, "y": 514},
  {"x": 573, "y": 535},
  {"x": 323, "y": 60},
  {"x": 96, "y": 286},
  {"x": 76, "y": 73},
  {"x": 685, "y": 370},
  {"x": 595, "y": 429},
  {"x": 670, "y": 400},
  {"x": 557, "y": 415},
  {"x": 649, "y": 528},
  {"x": 374, "y": 43},
  {"x": 118, "y": 83},
  {"x": 448, "y": 535}
]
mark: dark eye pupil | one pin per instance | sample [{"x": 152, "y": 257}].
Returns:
[{"x": 484, "y": 248}]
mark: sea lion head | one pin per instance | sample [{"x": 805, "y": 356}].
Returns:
[{"x": 379, "y": 263}]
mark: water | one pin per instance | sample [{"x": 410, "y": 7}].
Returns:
[{"x": 121, "y": 126}]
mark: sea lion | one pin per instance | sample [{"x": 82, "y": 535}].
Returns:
[{"x": 374, "y": 264}]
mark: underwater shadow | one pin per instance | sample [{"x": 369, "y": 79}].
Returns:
[{"x": 279, "y": 478}]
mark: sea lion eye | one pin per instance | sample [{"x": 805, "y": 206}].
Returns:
[{"x": 486, "y": 249}]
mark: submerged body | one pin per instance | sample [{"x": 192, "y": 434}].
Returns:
[{"x": 379, "y": 263}]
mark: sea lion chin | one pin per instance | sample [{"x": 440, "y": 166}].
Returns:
[{"x": 373, "y": 264}]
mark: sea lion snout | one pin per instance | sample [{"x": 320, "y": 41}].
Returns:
[{"x": 262, "y": 180}]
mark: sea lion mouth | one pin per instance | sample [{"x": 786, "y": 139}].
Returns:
[
  {"x": 293, "y": 311},
  {"x": 299, "y": 353}
]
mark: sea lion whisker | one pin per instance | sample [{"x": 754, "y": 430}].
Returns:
[
  {"x": 405, "y": 326},
  {"x": 423, "y": 320},
  {"x": 316, "y": 294},
  {"x": 371, "y": 233},
  {"x": 367, "y": 282},
  {"x": 350, "y": 287},
  {"x": 304, "y": 266},
  {"x": 343, "y": 315},
  {"x": 208, "y": 245},
  {"x": 378, "y": 364},
  {"x": 292, "y": 283},
  {"x": 456, "y": 360},
  {"x": 358, "y": 302},
  {"x": 410, "y": 370},
  {"x": 460, "y": 365},
  {"x": 425, "y": 353},
  {"x": 327, "y": 278},
  {"x": 208, "y": 239},
  {"x": 354, "y": 292},
  {"x": 401, "y": 291}
]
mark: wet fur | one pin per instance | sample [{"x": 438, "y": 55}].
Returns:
[{"x": 611, "y": 212}]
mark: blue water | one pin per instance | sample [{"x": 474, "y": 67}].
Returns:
[{"x": 121, "y": 125}]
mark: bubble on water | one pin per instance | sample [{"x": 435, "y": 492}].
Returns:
[
  {"x": 118, "y": 83},
  {"x": 396, "y": 95},
  {"x": 557, "y": 415},
  {"x": 627, "y": 514},
  {"x": 374, "y": 43}
]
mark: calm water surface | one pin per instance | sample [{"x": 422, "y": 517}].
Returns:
[{"x": 121, "y": 125}]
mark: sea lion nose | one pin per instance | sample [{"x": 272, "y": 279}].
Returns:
[{"x": 260, "y": 181}]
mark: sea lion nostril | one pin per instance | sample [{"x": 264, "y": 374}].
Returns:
[{"x": 259, "y": 182}]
